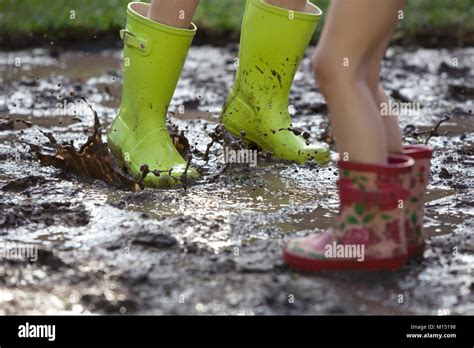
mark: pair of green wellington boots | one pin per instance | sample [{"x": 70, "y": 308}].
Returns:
[{"x": 273, "y": 42}]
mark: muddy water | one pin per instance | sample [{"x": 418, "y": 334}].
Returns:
[{"x": 215, "y": 247}]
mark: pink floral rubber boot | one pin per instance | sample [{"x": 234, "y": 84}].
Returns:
[
  {"x": 414, "y": 212},
  {"x": 370, "y": 228},
  {"x": 362, "y": 175}
]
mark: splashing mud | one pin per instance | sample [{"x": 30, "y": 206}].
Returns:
[
  {"x": 228, "y": 141},
  {"x": 92, "y": 160}
]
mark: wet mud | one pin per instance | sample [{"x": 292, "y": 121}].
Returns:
[
  {"x": 92, "y": 160},
  {"x": 214, "y": 246}
]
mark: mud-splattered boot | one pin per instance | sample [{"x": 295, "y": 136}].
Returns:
[
  {"x": 154, "y": 55},
  {"x": 272, "y": 44},
  {"x": 370, "y": 228},
  {"x": 414, "y": 212}
]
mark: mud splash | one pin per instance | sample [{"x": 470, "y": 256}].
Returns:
[
  {"x": 92, "y": 160},
  {"x": 228, "y": 141}
]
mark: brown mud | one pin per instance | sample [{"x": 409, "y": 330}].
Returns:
[
  {"x": 92, "y": 160},
  {"x": 214, "y": 247}
]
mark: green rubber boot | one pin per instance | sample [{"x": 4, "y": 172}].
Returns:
[
  {"x": 272, "y": 45},
  {"x": 154, "y": 56}
]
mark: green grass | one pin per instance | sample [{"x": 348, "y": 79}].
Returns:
[{"x": 22, "y": 18}]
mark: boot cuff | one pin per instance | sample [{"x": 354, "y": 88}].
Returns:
[
  {"x": 397, "y": 164},
  {"x": 139, "y": 10},
  {"x": 418, "y": 151},
  {"x": 311, "y": 16}
]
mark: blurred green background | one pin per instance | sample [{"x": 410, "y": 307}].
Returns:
[{"x": 20, "y": 19}]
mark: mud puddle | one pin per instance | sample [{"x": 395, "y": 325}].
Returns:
[{"x": 215, "y": 247}]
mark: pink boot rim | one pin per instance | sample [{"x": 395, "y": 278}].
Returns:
[
  {"x": 418, "y": 151},
  {"x": 398, "y": 164}
]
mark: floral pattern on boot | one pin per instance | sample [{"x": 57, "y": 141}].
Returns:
[{"x": 362, "y": 225}]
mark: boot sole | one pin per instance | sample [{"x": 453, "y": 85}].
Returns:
[{"x": 311, "y": 265}]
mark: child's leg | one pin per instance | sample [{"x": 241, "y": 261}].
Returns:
[
  {"x": 176, "y": 13},
  {"x": 390, "y": 120},
  {"x": 420, "y": 153},
  {"x": 342, "y": 58},
  {"x": 371, "y": 185}
]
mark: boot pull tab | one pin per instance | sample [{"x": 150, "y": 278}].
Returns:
[{"x": 142, "y": 45}]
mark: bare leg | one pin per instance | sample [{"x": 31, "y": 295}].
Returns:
[
  {"x": 295, "y": 5},
  {"x": 390, "y": 120},
  {"x": 175, "y": 13},
  {"x": 341, "y": 65}
]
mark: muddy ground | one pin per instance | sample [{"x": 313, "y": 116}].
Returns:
[{"x": 215, "y": 247}]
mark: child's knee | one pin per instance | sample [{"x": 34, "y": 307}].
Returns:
[
  {"x": 323, "y": 70},
  {"x": 332, "y": 74}
]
